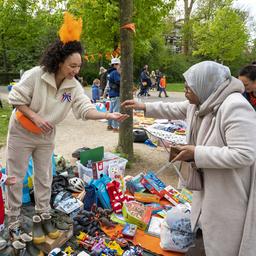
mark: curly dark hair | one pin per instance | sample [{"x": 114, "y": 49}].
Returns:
[
  {"x": 249, "y": 71},
  {"x": 57, "y": 53}
]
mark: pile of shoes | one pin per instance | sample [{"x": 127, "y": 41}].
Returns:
[
  {"x": 21, "y": 243},
  {"x": 91, "y": 221},
  {"x": 61, "y": 220},
  {"x": 42, "y": 227}
]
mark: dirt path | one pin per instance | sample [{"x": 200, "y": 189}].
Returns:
[{"x": 72, "y": 134}]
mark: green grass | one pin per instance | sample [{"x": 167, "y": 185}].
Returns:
[
  {"x": 5, "y": 114},
  {"x": 175, "y": 87}
]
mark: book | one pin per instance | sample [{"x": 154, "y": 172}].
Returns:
[{"x": 154, "y": 227}]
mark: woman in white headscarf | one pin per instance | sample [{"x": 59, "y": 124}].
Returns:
[{"x": 222, "y": 143}]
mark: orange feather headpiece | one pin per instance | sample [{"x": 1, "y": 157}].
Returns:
[{"x": 71, "y": 29}]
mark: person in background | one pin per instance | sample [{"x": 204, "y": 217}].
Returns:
[
  {"x": 43, "y": 98},
  {"x": 248, "y": 76},
  {"x": 162, "y": 87},
  {"x": 95, "y": 90},
  {"x": 153, "y": 79},
  {"x": 103, "y": 80},
  {"x": 222, "y": 147},
  {"x": 114, "y": 92},
  {"x": 145, "y": 82},
  {"x": 158, "y": 77}
]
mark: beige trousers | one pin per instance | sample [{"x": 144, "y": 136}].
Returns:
[{"x": 21, "y": 144}]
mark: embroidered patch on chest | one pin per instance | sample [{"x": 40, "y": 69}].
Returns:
[{"x": 66, "y": 97}]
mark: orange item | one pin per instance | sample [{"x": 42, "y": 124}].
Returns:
[
  {"x": 71, "y": 29},
  {"x": 130, "y": 26},
  {"x": 27, "y": 123},
  {"x": 148, "y": 242},
  {"x": 163, "y": 82},
  {"x": 146, "y": 197}
]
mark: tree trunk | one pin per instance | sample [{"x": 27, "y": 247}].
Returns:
[
  {"x": 125, "y": 143},
  {"x": 187, "y": 26}
]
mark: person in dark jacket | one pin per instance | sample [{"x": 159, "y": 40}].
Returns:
[
  {"x": 114, "y": 92},
  {"x": 248, "y": 76},
  {"x": 145, "y": 82}
]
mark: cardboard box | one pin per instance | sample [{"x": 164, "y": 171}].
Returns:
[
  {"x": 50, "y": 244},
  {"x": 137, "y": 213}
]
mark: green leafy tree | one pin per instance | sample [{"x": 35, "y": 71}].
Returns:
[
  {"x": 223, "y": 38},
  {"x": 26, "y": 28},
  {"x": 101, "y": 21}
]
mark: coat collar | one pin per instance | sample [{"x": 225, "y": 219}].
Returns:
[{"x": 49, "y": 78}]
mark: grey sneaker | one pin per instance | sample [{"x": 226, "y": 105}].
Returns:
[
  {"x": 60, "y": 224},
  {"x": 14, "y": 231},
  {"x": 25, "y": 238},
  {"x": 61, "y": 215}
]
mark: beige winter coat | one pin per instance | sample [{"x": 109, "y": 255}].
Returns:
[
  {"x": 37, "y": 89},
  {"x": 226, "y": 152}
]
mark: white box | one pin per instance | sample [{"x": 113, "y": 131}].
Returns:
[{"x": 100, "y": 167}]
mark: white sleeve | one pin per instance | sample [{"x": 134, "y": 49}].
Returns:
[
  {"x": 21, "y": 93},
  {"x": 160, "y": 110},
  {"x": 81, "y": 104}
]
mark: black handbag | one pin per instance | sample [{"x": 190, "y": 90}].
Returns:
[{"x": 139, "y": 136}]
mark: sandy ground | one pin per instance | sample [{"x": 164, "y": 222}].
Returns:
[{"x": 73, "y": 134}]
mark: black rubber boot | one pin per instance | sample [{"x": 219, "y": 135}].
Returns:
[
  {"x": 37, "y": 231},
  {"x": 48, "y": 226}
]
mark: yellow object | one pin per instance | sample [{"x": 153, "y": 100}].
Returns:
[
  {"x": 68, "y": 250},
  {"x": 30, "y": 181},
  {"x": 113, "y": 245},
  {"x": 146, "y": 197},
  {"x": 71, "y": 29}
]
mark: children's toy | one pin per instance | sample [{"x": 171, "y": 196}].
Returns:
[
  {"x": 153, "y": 184},
  {"x": 146, "y": 197},
  {"x": 129, "y": 230},
  {"x": 68, "y": 250},
  {"x": 57, "y": 251},
  {"x": 98, "y": 247},
  {"x": 134, "y": 251},
  {"x": 134, "y": 184},
  {"x": 113, "y": 245},
  {"x": 117, "y": 198},
  {"x": 137, "y": 213},
  {"x": 119, "y": 238}
]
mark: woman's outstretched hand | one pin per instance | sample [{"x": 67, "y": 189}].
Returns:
[
  {"x": 117, "y": 116},
  {"x": 134, "y": 105},
  {"x": 186, "y": 153}
]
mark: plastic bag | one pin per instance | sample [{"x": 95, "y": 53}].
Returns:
[{"x": 176, "y": 234}]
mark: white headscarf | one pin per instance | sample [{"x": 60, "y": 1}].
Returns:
[{"x": 205, "y": 77}]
